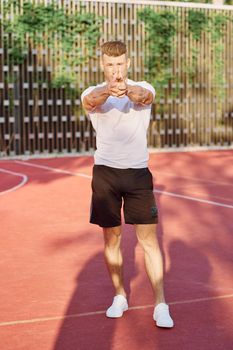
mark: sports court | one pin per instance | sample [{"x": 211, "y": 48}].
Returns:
[{"x": 54, "y": 284}]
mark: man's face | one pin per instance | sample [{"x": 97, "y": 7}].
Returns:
[{"x": 115, "y": 67}]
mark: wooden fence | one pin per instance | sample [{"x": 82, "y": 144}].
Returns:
[{"x": 36, "y": 118}]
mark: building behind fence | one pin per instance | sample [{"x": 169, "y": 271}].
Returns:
[{"x": 38, "y": 118}]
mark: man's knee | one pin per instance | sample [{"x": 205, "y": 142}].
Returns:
[
  {"x": 112, "y": 236},
  {"x": 146, "y": 235}
]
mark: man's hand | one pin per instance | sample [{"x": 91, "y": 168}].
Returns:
[{"x": 117, "y": 87}]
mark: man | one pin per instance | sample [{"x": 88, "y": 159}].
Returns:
[{"x": 119, "y": 110}]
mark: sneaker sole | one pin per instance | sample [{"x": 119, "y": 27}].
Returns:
[
  {"x": 164, "y": 325},
  {"x": 119, "y": 315}
]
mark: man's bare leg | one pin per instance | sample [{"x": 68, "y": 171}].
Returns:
[
  {"x": 114, "y": 262},
  {"x": 113, "y": 257},
  {"x": 146, "y": 235},
  {"x": 147, "y": 238}
]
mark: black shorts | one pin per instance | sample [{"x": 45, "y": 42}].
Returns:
[{"x": 133, "y": 187}]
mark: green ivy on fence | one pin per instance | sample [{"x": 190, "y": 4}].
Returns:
[
  {"x": 162, "y": 27},
  {"x": 161, "y": 30},
  {"x": 74, "y": 35}
]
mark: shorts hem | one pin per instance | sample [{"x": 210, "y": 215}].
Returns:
[
  {"x": 105, "y": 225},
  {"x": 156, "y": 221}
]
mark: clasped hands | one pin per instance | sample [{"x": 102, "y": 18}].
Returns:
[{"x": 117, "y": 87}]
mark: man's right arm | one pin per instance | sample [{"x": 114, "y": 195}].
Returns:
[{"x": 95, "y": 98}]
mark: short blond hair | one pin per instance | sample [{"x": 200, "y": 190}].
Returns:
[{"x": 113, "y": 48}]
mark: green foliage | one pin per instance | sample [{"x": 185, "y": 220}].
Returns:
[
  {"x": 35, "y": 24},
  {"x": 161, "y": 30},
  {"x": 218, "y": 25},
  {"x": 197, "y": 23}
]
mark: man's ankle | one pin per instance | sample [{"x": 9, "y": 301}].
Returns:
[
  {"x": 159, "y": 301},
  {"x": 121, "y": 292}
]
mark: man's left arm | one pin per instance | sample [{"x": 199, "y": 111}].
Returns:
[{"x": 138, "y": 94}]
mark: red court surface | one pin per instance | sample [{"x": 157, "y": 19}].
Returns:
[{"x": 54, "y": 284}]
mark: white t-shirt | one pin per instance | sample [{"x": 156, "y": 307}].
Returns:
[{"x": 121, "y": 130}]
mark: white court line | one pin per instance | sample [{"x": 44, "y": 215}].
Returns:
[
  {"x": 25, "y": 179},
  {"x": 53, "y": 169},
  {"x": 193, "y": 178},
  {"x": 162, "y": 192},
  {"x": 194, "y": 199},
  {"x": 93, "y": 313},
  {"x": 202, "y": 193},
  {"x": 89, "y": 176}
]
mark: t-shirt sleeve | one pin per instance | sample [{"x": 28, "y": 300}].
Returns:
[{"x": 147, "y": 86}]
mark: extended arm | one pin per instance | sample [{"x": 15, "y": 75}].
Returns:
[
  {"x": 95, "y": 98},
  {"x": 138, "y": 94},
  {"x": 98, "y": 96}
]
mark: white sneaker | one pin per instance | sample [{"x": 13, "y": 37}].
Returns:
[
  {"x": 162, "y": 317},
  {"x": 118, "y": 306}
]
